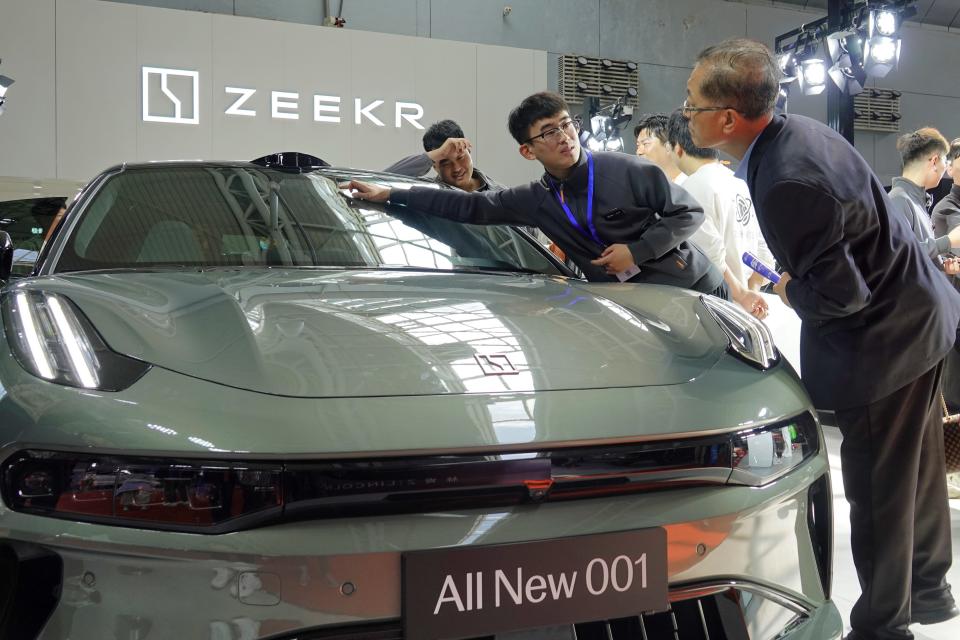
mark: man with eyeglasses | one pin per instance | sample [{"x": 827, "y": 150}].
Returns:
[
  {"x": 877, "y": 319},
  {"x": 651, "y": 135},
  {"x": 616, "y": 216}
]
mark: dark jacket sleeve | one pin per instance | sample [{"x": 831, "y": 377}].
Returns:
[
  {"x": 826, "y": 281},
  {"x": 416, "y": 166},
  {"x": 680, "y": 214},
  {"x": 509, "y": 206}
]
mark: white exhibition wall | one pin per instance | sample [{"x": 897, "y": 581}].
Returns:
[{"x": 84, "y": 70}]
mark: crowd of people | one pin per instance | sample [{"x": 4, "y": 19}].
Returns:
[{"x": 867, "y": 272}]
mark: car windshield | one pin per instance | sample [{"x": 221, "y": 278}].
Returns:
[{"x": 221, "y": 216}]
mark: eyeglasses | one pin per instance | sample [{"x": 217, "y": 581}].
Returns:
[
  {"x": 567, "y": 128},
  {"x": 687, "y": 109}
]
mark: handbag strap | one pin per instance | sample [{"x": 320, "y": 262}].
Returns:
[{"x": 947, "y": 417}]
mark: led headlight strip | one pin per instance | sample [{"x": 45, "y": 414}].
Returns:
[
  {"x": 52, "y": 339},
  {"x": 749, "y": 339}
]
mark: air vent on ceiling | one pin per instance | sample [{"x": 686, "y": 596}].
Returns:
[
  {"x": 877, "y": 110},
  {"x": 584, "y": 77}
]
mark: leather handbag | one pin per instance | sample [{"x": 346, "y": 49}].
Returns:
[{"x": 951, "y": 437}]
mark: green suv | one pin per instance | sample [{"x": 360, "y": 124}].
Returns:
[{"x": 237, "y": 404}]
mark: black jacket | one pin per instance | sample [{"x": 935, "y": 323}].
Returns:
[
  {"x": 946, "y": 214},
  {"x": 876, "y": 312},
  {"x": 635, "y": 187}
]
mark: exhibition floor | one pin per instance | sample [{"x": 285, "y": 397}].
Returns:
[{"x": 845, "y": 586}]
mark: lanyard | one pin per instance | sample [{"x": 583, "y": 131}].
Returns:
[{"x": 573, "y": 220}]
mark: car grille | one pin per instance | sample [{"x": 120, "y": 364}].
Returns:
[{"x": 714, "y": 617}]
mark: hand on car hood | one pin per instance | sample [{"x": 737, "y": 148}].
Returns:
[{"x": 310, "y": 333}]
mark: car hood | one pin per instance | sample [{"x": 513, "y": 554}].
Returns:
[{"x": 363, "y": 333}]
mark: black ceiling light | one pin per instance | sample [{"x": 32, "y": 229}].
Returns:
[
  {"x": 881, "y": 51},
  {"x": 5, "y": 83},
  {"x": 811, "y": 68},
  {"x": 846, "y": 53}
]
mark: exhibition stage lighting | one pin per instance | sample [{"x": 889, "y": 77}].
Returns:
[
  {"x": 881, "y": 51},
  {"x": 5, "y": 83},
  {"x": 783, "y": 97},
  {"x": 813, "y": 76},
  {"x": 603, "y": 134},
  {"x": 883, "y": 22},
  {"x": 788, "y": 67},
  {"x": 880, "y": 55},
  {"x": 846, "y": 53}
]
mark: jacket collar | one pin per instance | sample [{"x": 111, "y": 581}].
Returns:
[
  {"x": 576, "y": 181},
  {"x": 915, "y": 192},
  {"x": 763, "y": 141}
]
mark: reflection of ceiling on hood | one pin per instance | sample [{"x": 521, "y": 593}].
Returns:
[{"x": 308, "y": 333}]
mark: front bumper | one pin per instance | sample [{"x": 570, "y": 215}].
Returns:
[{"x": 330, "y": 576}]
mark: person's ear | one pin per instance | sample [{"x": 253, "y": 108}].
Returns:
[
  {"x": 527, "y": 152},
  {"x": 729, "y": 121}
]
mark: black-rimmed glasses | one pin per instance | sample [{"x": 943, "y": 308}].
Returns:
[
  {"x": 686, "y": 109},
  {"x": 568, "y": 128}
]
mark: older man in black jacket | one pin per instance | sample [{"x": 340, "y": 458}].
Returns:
[{"x": 877, "y": 320}]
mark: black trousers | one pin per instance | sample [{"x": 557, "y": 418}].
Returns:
[{"x": 894, "y": 478}]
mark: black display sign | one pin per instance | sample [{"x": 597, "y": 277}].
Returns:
[{"x": 477, "y": 591}]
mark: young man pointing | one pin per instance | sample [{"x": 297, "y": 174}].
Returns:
[{"x": 616, "y": 216}]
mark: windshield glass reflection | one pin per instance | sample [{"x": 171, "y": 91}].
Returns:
[{"x": 208, "y": 216}]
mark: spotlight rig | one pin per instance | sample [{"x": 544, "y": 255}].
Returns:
[
  {"x": 863, "y": 41},
  {"x": 606, "y": 123},
  {"x": 5, "y": 83}
]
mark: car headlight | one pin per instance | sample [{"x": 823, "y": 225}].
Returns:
[
  {"x": 52, "y": 339},
  {"x": 749, "y": 339},
  {"x": 763, "y": 454}
]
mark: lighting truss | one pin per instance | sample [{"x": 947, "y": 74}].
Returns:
[{"x": 867, "y": 44}]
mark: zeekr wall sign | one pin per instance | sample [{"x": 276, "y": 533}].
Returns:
[{"x": 173, "y": 96}]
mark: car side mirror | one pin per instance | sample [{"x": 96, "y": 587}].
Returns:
[{"x": 6, "y": 256}]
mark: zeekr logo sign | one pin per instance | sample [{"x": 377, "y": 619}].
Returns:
[
  {"x": 173, "y": 96},
  {"x": 189, "y": 95}
]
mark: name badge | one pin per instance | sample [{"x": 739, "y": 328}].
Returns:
[{"x": 628, "y": 273}]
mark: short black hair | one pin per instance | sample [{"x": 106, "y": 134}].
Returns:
[
  {"x": 741, "y": 73},
  {"x": 919, "y": 144},
  {"x": 678, "y": 133},
  {"x": 954, "y": 152},
  {"x": 655, "y": 123},
  {"x": 438, "y": 133},
  {"x": 541, "y": 105},
  {"x": 47, "y": 206}
]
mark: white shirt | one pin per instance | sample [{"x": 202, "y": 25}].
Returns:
[
  {"x": 730, "y": 223},
  {"x": 681, "y": 178}
]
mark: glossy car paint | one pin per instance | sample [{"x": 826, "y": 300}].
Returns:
[{"x": 595, "y": 364}]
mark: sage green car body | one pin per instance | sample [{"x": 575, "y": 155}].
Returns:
[{"x": 311, "y": 363}]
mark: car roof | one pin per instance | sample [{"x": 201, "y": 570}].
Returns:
[{"x": 343, "y": 173}]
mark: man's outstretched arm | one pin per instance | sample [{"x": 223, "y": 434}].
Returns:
[{"x": 510, "y": 206}]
